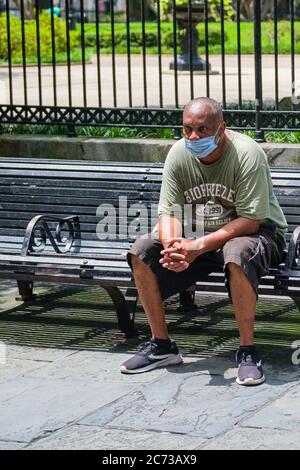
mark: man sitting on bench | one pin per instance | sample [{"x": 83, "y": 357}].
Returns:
[{"x": 227, "y": 173}]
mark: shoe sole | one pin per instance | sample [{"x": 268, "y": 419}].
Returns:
[
  {"x": 169, "y": 361},
  {"x": 250, "y": 382}
]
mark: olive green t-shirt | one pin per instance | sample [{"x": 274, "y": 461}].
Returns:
[{"x": 237, "y": 185}]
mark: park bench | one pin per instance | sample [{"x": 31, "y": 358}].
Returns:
[{"x": 48, "y": 220}]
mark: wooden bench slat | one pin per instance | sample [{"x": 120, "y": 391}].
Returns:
[
  {"x": 88, "y": 167},
  {"x": 82, "y": 176},
  {"x": 31, "y": 209},
  {"x": 68, "y": 200},
  {"x": 112, "y": 191},
  {"x": 101, "y": 195},
  {"x": 10, "y": 231},
  {"x": 73, "y": 260},
  {"x": 141, "y": 185}
]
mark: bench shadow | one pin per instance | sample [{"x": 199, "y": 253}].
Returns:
[{"x": 84, "y": 318}]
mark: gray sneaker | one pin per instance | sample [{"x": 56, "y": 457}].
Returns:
[
  {"x": 152, "y": 356},
  {"x": 250, "y": 370}
]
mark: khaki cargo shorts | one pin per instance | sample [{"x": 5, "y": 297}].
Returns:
[{"x": 255, "y": 254}]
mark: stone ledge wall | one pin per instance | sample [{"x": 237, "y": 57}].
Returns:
[{"x": 126, "y": 150}]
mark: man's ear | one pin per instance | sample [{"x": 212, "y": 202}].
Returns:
[{"x": 221, "y": 132}]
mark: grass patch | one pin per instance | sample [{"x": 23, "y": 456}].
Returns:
[
  {"x": 60, "y": 58},
  {"x": 231, "y": 45}
]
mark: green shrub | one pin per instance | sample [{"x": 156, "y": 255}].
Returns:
[
  {"x": 15, "y": 36},
  {"x": 136, "y": 39},
  {"x": 31, "y": 36},
  {"x": 90, "y": 39},
  {"x": 214, "y": 38},
  {"x": 214, "y": 5}
]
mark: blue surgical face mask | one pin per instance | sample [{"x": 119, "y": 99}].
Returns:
[{"x": 201, "y": 148}]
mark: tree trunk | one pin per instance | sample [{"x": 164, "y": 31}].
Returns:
[
  {"x": 266, "y": 8},
  {"x": 28, "y": 8},
  {"x": 135, "y": 8},
  {"x": 247, "y": 7}
]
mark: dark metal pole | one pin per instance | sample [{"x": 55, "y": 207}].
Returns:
[
  {"x": 113, "y": 51},
  {"x": 53, "y": 54},
  {"x": 293, "y": 75},
  {"x": 206, "y": 11},
  {"x": 276, "y": 53},
  {"x": 38, "y": 46},
  {"x": 128, "y": 53},
  {"x": 9, "y": 53},
  {"x": 239, "y": 53},
  {"x": 223, "y": 53},
  {"x": 72, "y": 16},
  {"x": 83, "y": 54},
  {"x": 24, "y": 53},
  {"x": 71, "y": 132},
  {"x": 175, "y": 54},
  {"x": 159, "y": 54},
  {"x": 68, "y": 54},
  {"x": 98, "y": 53},
  {"x": 259, "y": 134},
  {"x": 143, "y": 17},
  {"x": 190, "y": 48},
  {"x": 176, "y": 131}
]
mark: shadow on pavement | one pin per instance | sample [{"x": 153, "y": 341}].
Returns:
[{"x": 84, "y": 318}]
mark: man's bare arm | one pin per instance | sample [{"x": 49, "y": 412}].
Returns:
[
  {"x": 181, "y": 249},
  {"x": 236, "y": 228},
  {"x": 169, "y": 227}
]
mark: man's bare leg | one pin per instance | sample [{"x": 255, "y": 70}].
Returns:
[
  {"x": 244, "y": 303},
  {"x": 160, "y": 351},
  {"x": 149, "y": 293},
  {"x": 243, "y": 296}
]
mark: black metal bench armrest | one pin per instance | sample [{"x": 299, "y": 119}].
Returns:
[
  {"x": 293, "y": 254},
  {"x": 38, "y": 232}
]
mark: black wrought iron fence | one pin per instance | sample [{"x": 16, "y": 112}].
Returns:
[{"x": 78, "y": 63}]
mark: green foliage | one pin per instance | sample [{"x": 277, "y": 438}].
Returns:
[
  {"x": 215, "y": 8},
  {"x": 214, "y": 38},
  {"x": 15, "y": 27},
  {"x": 151, "y": 38},
  {"x": 31, "y": 36},
  {"x": 284, "y": 36},
  {"x": 277, "y": 137},
  {"x": 167, "y": 7},
  {"x": 214, "y": 43},
  {"x": 129, "y": 133},
  {"x": 283, "y": 137},
  {"x": 136, "y": 39},
  {"x": 89, "y": 131}
]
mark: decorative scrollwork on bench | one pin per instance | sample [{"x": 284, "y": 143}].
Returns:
[{"x": 38, "y": 233}]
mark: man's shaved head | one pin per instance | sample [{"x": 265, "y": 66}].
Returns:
[{"x": 205, "y": 109}]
